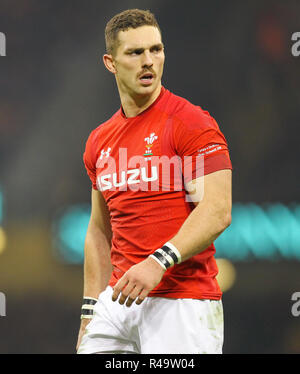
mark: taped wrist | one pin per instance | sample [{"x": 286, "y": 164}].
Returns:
[
  {"x": 167, "y": 256},
  {"x": 87, "y": 309}
]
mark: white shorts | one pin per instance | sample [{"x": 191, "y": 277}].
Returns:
[{"x": 157, "y": 326}]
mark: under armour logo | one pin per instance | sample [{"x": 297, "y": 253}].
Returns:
[{"x": 106, "y": 153}]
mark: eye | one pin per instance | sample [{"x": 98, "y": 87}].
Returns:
[
  {"x": 136, "y": 52},
  {"x": 156, "y": 49}
]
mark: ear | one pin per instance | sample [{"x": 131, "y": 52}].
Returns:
[{"x": 109, "y": 63}]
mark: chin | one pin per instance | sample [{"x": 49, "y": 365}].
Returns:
[{"x": 146, "y": 90}]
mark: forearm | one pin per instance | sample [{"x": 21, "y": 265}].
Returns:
[
  {"x": 201, "y": 228},
  {"x": 198, "y": 231},
  {"x": 204, "y": 224},
  {"x": 97, "y": 262}
]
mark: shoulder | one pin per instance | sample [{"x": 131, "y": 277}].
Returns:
[{"x": 187, "y": 114}]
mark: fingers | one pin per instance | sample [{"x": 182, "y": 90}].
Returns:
[
  {"x": 137, "y": 282},
  {"x": 133, "y": 295},
  {"x": 118, "y": 287},
  {"x": 128, "y": 292},
  {"x": 142, "y": 297}
]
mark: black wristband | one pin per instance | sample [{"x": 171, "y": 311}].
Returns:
[
  {"x": 89, "y": 301},
  {"x": 167, "y": 256},
  {"x": 162, "y": 259},
  {"x": 170, "y": 252}
]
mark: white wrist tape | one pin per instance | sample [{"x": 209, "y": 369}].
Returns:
[
  {"x": 87, "y": 309},
  {"x": 167, "y": 256}
]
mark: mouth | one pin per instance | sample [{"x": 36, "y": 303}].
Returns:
[{"x": 147, "y": 78}]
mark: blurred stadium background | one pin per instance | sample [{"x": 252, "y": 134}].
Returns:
[{"x": 234, "y": 59}]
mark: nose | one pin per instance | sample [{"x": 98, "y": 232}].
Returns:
[{"x": 147, "y": 59}]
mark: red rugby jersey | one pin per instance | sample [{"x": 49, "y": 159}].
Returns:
[{"x": 140, "y": 165}]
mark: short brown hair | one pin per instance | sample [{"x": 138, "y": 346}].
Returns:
[{"x": 131, "y": 18}]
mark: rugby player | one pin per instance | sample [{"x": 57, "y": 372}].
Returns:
[{"x": 161, "y": 194}]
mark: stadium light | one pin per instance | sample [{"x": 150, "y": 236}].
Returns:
[
  {"x": 69, "y": 233},
  {"x": 270, "y": 231},
  {"x": 266, "y": 232}
]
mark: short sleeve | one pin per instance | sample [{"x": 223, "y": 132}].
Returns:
[
  {"x": 200, "y": 144},
  {"x": 89, "y": 156}
]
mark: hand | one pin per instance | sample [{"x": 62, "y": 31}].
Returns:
[
  {"x": 83, "y": 325},
  {"x": 138, "y": 281}
]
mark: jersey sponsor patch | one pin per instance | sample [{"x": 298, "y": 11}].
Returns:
[{"x": 126, "y": 178}]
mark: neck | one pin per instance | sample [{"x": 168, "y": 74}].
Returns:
[{"x": 134, "y": 104}]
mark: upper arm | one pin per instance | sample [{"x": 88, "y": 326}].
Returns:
[
  {"x": 214, "y": 190},
  {"x": 100, "y": 216}
]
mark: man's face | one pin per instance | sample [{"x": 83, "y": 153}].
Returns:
[{"x": 139, "y": 60}]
